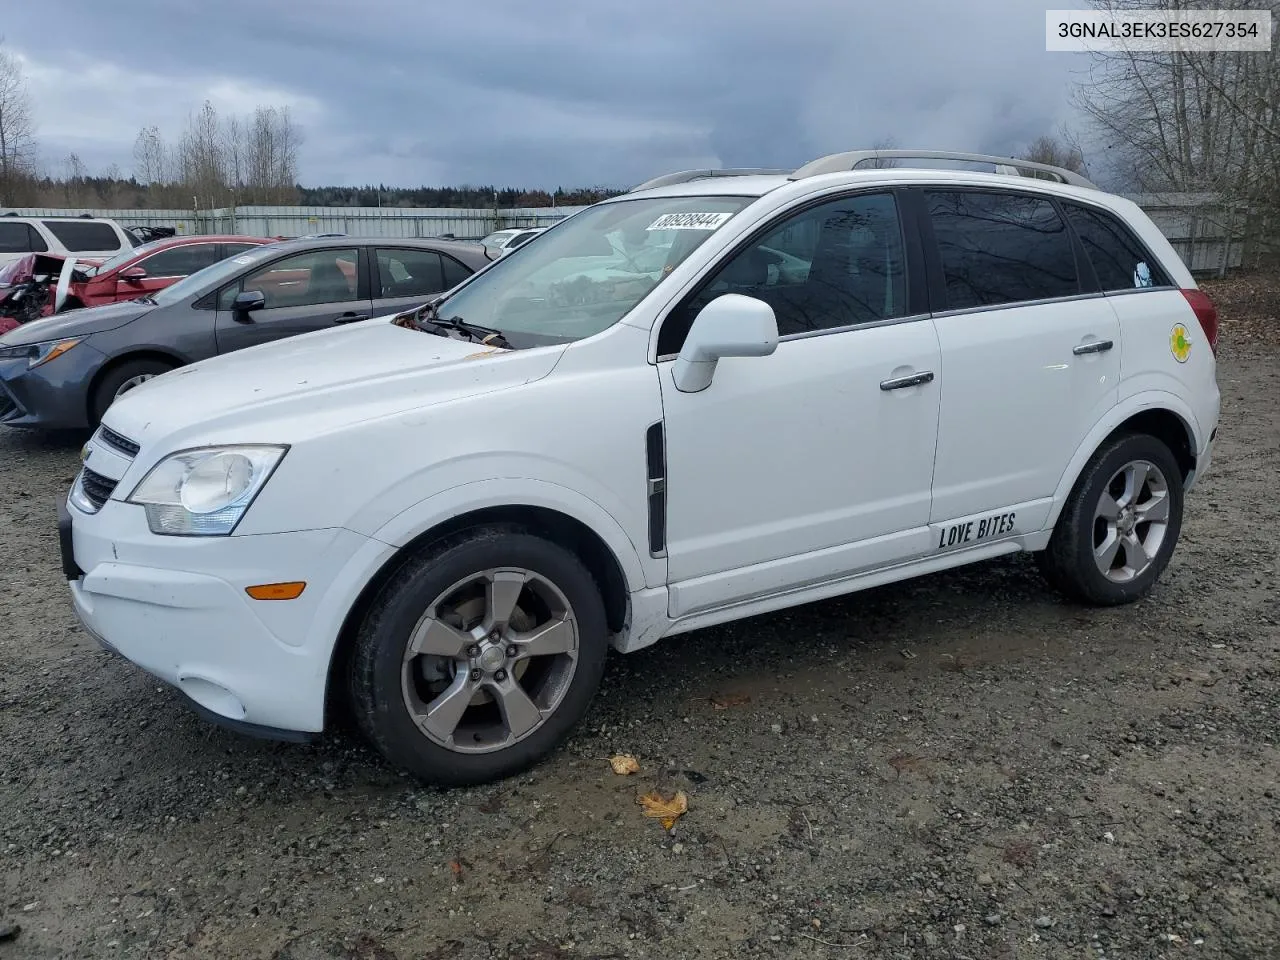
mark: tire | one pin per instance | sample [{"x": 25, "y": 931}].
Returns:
[
  {"x": 405, "y": 703},
  {"x": 1084, "y": 535},
  {"x": 104, "y": 394}
]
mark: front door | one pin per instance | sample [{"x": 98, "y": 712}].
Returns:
[
  {"x": 1030, "y": 362},
  {"x": 305, "y": 292},
  {"x": 813, "y": 463}
]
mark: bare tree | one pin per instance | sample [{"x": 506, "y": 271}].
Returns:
[
  {"x": 201, "y": 158},
  {"x": 1055, "y": 152},
  {"x": 273, "y": 155},
  {"x": 17, "y": 132},
  {"x": 884, "y": 143},
  {"x": 150, "y": 158}
]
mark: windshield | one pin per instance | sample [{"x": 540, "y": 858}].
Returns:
[
  {"x": 586, "y": 273},
  {"x": 212, "y": 275},
  {"x": 124, "y": 256}
]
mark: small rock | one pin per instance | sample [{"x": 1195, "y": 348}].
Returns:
[
  {"x": 930, "y": 939},
  {"x": 9, "y": 930},
  {"x": 677, "y": 848},
  {"x": 776, "y": 728},
  {"x": 1108, "y": 911},
  {"x": 30, "y": 906},
  {"x": 993, "y": 919},
  {"x": 1044, "y": 923},
  {"x": 959, "y": 928},
  {"x": 985, "y": 880}
]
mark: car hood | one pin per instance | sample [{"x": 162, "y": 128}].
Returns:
[
  {"x": 76, "y": 323},
  {"x": 291, "y": 388}
]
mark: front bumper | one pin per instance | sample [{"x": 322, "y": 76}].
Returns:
[
  {"x": 177, "y": 608},
  {"x": 52, "y": 396}
]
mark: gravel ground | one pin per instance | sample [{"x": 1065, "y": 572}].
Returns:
[{"x": 961, "y": 766}]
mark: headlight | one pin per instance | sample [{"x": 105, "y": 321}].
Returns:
[
  {"x": 204, "y": 492},
  {"x": 38, "y": 353}
]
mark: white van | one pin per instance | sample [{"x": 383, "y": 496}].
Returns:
[
  {"x": 721, "y": 394},
  {"x": 85, "y": 237}
]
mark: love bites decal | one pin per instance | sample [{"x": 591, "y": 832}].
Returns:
[{"x": 975, "y": 531}]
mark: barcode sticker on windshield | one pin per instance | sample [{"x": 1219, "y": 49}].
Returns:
[{"x": 689, "y": 221}]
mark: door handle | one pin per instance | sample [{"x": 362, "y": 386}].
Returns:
[
  {"x": 1096, "y": 346},
  {"x": 912, "y": 380},
  {"x": 351, "y": 317}
]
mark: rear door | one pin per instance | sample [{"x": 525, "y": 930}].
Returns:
[
  {"x": 304, "y": 292},
  {"x": 405, "y": 277},
  {"x": 1030, "y": 358}
]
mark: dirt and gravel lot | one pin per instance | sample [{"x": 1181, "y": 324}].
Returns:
[{"x": 959, "y": 767}]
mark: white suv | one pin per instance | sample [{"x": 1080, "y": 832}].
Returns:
[
  {"x": 83, "y": 237},
  {"x": 720, "y": 394}
]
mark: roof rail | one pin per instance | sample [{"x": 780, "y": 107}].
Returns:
[
  {"x": 841, "y": 162},
  {"x": 684, "y": 176}
]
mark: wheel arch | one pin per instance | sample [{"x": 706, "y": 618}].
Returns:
[
  {"x": 148, "y": 353},
  {"x": 1164, "y": 417},
  {"x": 554, "y": 525}
]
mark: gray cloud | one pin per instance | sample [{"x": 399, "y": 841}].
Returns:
[{"x": 547, "y": 94}]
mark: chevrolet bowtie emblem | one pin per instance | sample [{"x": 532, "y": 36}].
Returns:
[{"x": 84, "y": 453}]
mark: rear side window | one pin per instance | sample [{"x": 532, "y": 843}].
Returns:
[
  {"x": 1117, "y": 257},
  {"x": 82, "y": 236},
  {"x": 232, "y": 249},
  {"x": 409, "y": 273},
  {"x": 15, "y": 238},
  {"x": 454, "y": 272},
  {"x": 999, "y": 248}
]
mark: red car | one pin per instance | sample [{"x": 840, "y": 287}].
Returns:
[{"x": 152, "y": 266}]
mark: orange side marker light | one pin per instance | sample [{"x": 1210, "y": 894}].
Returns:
[{"x": 277, "y": 591}]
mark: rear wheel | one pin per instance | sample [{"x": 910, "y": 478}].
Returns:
[
  {"x": 120, "y": 380},
  {"x": 1118, "y": 530},
  {"x": 478, "y": 657}
]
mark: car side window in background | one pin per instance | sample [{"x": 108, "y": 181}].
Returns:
[
  {"x": 37, "y": 242},
  {"x": 83, "y": 236},
  {"x": 180, "y": 261},
  {"x": 231, "y": 249},
  {"x": 1117, "y": 257},
  {"x": 15, "y": 238},
  {"x": 1001, "y": 248},
  {"x": 320, "y": 276},
  {"x": 409, "y": 273},
  {"x": 839, "y": 264},
  {"x": 454, "y": 272}
]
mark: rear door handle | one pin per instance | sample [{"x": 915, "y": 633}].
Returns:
[
  {"x": 351, "y": 317},
  {"x": 913, "y": 380},
  {"x": 1096, "y": 346}
]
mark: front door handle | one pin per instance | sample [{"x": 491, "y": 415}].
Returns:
[
  {"x": 1096, "y": 346},
  {"x": 913, "y": 380},
  {"x": 351, "y": 317}
]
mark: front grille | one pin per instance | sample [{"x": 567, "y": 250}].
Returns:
[
  {"x": 117, "y": 442},
  {"x": 97, "y": 488}
]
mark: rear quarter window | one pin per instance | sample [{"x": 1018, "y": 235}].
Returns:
[
  {"x": 1118, "y": 257},
  {"x": 83, "y": 236}
]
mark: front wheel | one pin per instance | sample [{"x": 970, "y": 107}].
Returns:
[
  {"x": 479, "y": 656},
  {"x": 120, "y": 380},
  {"x": 1117, "y": 531}
]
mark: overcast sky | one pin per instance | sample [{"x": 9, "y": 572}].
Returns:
[{"x": 545, "y": 93}]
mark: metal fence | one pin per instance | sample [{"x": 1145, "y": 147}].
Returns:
[
  {"x": 1208, "y": 234},
  {"x": 262, "y": 221}
]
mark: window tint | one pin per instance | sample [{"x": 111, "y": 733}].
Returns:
[
  {"x": 1001, "y": 248},
  {"x": 321, "y": 276},
  {"x": 15, "y": 238},
  {"x": 231, "y": 249},
  {"x": 409, "y": 273},
  {"x": 82, "y": 236},
  {"x": 37, "y": 241},
  {"x": 835, "y": 265},
  {"x": 1117, "y": 257},
  {"x": 454, "y": 272},
  {"x": 180, "y": 261},
  {"x": 520, "y": 238}
]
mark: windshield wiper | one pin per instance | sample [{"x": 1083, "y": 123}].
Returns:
[{"x": 428, "y": 313}]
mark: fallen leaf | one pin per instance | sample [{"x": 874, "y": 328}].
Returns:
[
  {"x": 456, "y": 867},
  {"x": 724, "y": 701},
  {"x": 624, "y": 764},
  {"x": 666, "y": 811}
]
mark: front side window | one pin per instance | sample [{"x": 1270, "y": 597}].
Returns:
[
  {"x": 319, "y": 276},
  {"x": 590, "y": 270},
  {"x": 180, "y": 261},
  {"x": 83, "y": 236},
  {"x": 999, "y": 248},
  {"x": 14, "y": 238},
  {"x": 1117, "y": 257},
  {"x": 409, "y": 273},
  {"x": 839, "y": 264},
  {"x": 231, "y": 249}
]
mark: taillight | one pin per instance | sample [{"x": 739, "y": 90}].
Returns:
[{"x": 1206, "y": 313}]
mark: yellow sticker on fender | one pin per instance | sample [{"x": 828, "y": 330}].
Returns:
[{"x": 1180, "y": 343}]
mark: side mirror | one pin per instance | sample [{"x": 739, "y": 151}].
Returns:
[
  {"x": 132, "y": 274},
  {"x": 729, "y": 326},
  {"x": 247, "y": 301}
]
